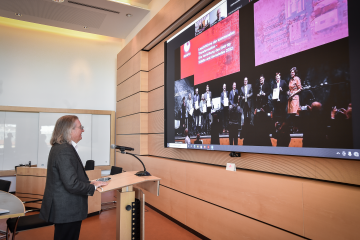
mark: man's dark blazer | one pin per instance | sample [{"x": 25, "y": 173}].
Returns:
[
  {"x": 261, "y": 101},
  {"x": 222, "y": 98},
  {"x": 265, "y": 89},
  {"x": 67, "y": 186},
  {"x": 231, "y": 96},
  {"x": 283, "y": 93},
  {"x": 242, "y": 94},
  {"x": 196, "y": 98}
]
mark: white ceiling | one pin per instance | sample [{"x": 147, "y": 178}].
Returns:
[{"x": 109, "y": 20}]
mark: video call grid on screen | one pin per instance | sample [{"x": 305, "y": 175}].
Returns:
[{"x": 323, "y": 71}]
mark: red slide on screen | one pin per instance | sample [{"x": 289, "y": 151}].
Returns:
[{"x": 214, "y": 53}]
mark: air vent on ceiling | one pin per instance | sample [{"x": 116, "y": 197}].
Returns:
[
  {"x": 54, "y": 12},
  {"x": 90, "y": 6}
]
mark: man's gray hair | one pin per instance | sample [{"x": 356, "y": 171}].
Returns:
[{"x": 62, "y": 129}]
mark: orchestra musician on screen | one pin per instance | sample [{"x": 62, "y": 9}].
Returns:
[
  {"x": 189, "y": 113},
  {"x": 246, "y": 93},
  {"x": 196, "y": 102},
  {"x": 208, "y": 99},
  {"x": 268, "y": 109},
  {"x": 204, "y": 115},
  {"x": 224, "y": 98},
  {"x": 263, "y": 91}
]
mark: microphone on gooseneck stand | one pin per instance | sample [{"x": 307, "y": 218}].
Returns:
[{"x": 123, "y": 149}]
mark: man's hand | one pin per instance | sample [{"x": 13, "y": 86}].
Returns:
[{"x": 99, "y": 183}]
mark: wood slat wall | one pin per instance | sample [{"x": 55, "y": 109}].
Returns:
[
  {"x": 156, "y": 75},
  {"x": 133, "y": 124},
  {"x": 280, "y": 198},
  {"x": 136, "y": 83},
  {"x": 137, "y": 63}
]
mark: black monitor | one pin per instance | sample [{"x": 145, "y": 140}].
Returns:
[{"x": 267, "y": 76}]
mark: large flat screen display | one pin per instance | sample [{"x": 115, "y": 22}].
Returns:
[{"x": 266, "y": 76}]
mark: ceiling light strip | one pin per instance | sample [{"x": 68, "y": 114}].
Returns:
[{"x": 90, "y": 6}]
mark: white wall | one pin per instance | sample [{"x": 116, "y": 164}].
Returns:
[{"x": 44, "y": 69}]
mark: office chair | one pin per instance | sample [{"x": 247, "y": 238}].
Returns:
[
  {"x": 89, "y": 165},
  {"x": 5, "y": 185},
  {"x": 18, "y": 224},
  {"x": 114, "y": 170}
]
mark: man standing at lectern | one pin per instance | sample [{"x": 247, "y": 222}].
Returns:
[{"x": 65, "y": 201}]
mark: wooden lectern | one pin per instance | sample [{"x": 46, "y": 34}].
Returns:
[{"x": 129, "y": 186}]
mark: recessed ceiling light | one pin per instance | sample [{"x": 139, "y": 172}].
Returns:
[
  {"x": 128, "y": 15},
  {"x": 85, "y": 27},
  {"x": 18, "y": 14},
  {"x": 58, "y": 1},
  {"x": 120, "y": 1}
]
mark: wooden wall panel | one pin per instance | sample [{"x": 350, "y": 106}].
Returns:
[
  {"x": 212, "y": 221},
  {"x": 290, "y": 165},
  {"x": 346, "y": 171},
  {"x": 138, "y": 142},
  {"x": 218, "y": 224},
  {"x": 134, "y": 104},
  {"x": 156, "y": 99},
  {"x": 125, "y": 161},
  {"x": 137, "y": 63},
  {"x": 156, "y": 77},
  {"x": 156, "y": 55},
  {"x": 173, "y": 10},
  {"x": 171, "y": 172},
  {"x": 41, "y": 172},
  {"x": 270, "y": 198},
  {"x": 30, "y": 184},
  {"x": 133, "y": 124},
  {"x": 274, "y": 199},
  {"x": 331, "y": 211},
  {"x": 156, "y": 122},
  {"x": 136, "y": 83},
  {"x": 170, "y": 202}
]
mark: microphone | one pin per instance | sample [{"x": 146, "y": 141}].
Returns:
[{"x": 121, "y": 148}]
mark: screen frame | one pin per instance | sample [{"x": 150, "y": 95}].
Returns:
[{"x": 354, "y": 60}]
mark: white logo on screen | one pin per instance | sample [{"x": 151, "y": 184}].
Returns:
[{"x": 187, "y": 46}]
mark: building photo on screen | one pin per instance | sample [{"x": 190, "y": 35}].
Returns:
[{"x": 266, "y": 76}]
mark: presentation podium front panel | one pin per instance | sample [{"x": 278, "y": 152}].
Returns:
[{"x": 129, "y": 186}]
